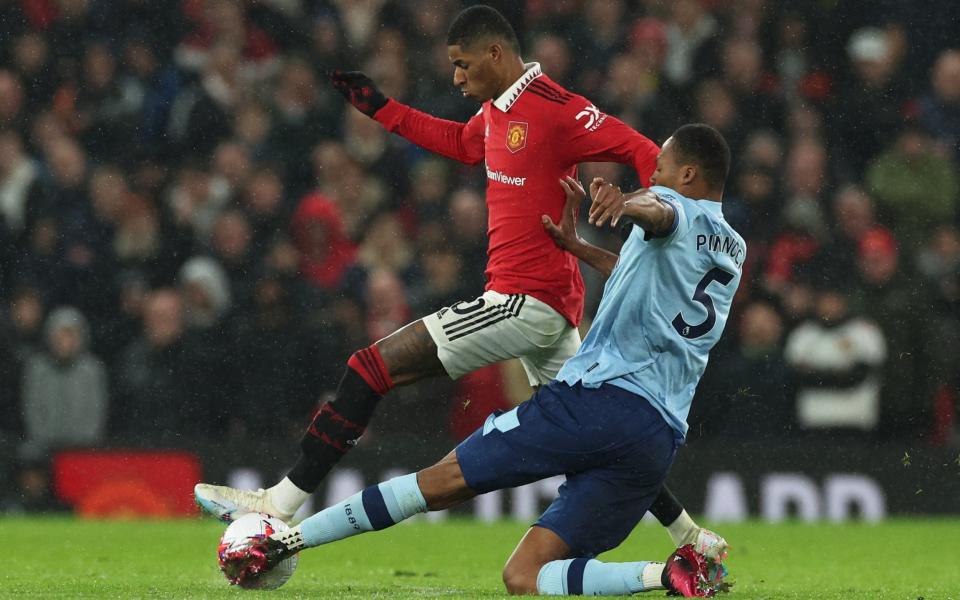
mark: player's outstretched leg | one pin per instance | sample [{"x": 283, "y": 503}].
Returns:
[
  {"x": 377, "y": 507},
  {"x": 403, "y": 357},
  {"x": 684, "y": 530},
  {"x": 542, "y": 564}
]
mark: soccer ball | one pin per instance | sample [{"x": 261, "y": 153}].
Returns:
[{"x": 257, "y": 525}]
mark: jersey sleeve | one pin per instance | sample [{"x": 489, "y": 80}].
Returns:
[
  {"x": 462, "y": 142},
  {"x": 592, "y": 136},
  {"x": 682, "y": 210}
]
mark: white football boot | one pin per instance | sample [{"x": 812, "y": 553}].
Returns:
[{"x": 228, "y": 504}]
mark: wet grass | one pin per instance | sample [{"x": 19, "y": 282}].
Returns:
[{"x": 67, "y": 558}]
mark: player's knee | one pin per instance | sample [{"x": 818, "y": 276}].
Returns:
[
  {"x": 519, "y": 580},
  {"x": 410, "y": 354}
]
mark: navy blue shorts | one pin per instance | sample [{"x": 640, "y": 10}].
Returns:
[{"x": 612, "y": 445}]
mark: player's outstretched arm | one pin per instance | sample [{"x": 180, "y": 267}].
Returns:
[
  {"x": 642, "y": 206},
  {"x": 462, "y": 142},
  {"x": 565, "y": 235}
]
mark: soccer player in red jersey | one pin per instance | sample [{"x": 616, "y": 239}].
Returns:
[{"x": 530, "y": 133}]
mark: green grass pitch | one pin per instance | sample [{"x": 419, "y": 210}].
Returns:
[{"x": 67, "y": 558}]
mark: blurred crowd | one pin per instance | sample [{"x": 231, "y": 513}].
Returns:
[{"x": 196, "y": 231}]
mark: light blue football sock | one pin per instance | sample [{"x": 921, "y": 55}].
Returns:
[
  {"x": 375, "y": 508},
  {"x": 588, "y": 577}
]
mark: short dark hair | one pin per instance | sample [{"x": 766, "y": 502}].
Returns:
[
  {"x": 481, "y": 22},
  {"x": 704, "y": 146}
]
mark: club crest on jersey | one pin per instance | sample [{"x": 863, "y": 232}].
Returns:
[{"x": 516, "y": 136}]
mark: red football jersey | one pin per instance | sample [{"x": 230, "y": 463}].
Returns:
[{"x": 530, "y": 137}]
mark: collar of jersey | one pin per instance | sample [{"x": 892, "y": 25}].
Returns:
[
  {"x": 506, "y": 99},
  {"x": 712, "y": 206}
]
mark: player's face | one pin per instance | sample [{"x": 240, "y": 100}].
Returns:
[
  {"x": 473, "y": 72},
  {"x": 667, "y": 171}
]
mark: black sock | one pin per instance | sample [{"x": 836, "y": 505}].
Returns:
[
  {"x": 334, "y": 430},
  {"x": 666, "y": 508}
]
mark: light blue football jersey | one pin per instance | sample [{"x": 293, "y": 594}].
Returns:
[{"x": 663, "y": 308}]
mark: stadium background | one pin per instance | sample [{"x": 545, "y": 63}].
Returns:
[{"x": 197, "y": 231}]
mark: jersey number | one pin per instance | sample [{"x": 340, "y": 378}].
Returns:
[
  {"x": 692, "y": 332},
  {"x": 465, "y": 308}
]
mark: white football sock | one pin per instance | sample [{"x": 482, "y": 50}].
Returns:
[
  {"x": 651, "y": 576},
  {"x": 683, "y": 530},
  {"x": 287, "y": 497}
]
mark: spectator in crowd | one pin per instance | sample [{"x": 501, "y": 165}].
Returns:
[
  {"x": 793, "y": 61},
  {"x": 750, "y": 390},
  {"x": 225, "y": 22},
  {"x": 12, "y": 113},
  {"x": 386, "y": 304},
  {"x": 19, "y": 178},
  {"x": 230, "y": 168},
  {"x": 161, "y": 369},
  {"x": 106, "y": 107},
  {"x": 23, "y": 321},
  {"x": 114, "y": 334},
  {"x": 553, "y": 53},
  {"x": 202, "y": 115},
  {"x": 31, "y": 60},
  {"x": 440, "y": 279},
  {"x": 152, "y": 86},
  {"x": 231, "y": 244},
  {"x": 601, "y": 36},
  {"x": 716, "y": 106},
  {"x": 39, "y": 263},
  {"x": 357, "y": 193},
  {"x": 276, "y": 344},
  {"x": 755, "y": 205},
  {"x": 206, "y": 294},
  {"x": 915, "y": 186},
  {"x": 836, "y": 360},
  {"x": 264, "y": 200},
  {"x": 20, "y": 331},
  {"x": 939, "y": 110},
  {"x": 803, "y": 228},
  {"x": 939, "y": 334},
  {"x": 386, "y": 246},
  {"x": 691, "y": 34},
  {"x": 195, "y": 199},
  {"x": 467, "y": 218},
  {"x": 854, "y": 218},
  {"x": 871, "y": 102},
  {"x": 65, "y": 388},
  {"x": 884, "y": 296},
  {"x": 753, "y": 90},
  {"x": 302, "y": 119},
  {"x": 326, "y": 254},
  {"x": 376, "y": 151}
]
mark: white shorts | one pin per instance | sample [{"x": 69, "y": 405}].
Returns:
[{"x": 496, "y": 327}]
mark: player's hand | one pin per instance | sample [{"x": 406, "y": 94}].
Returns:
[
  {"x": 359, "y": 90},
  {"x": 564, "y": 234},
  {"x": 608, "y": 203}
]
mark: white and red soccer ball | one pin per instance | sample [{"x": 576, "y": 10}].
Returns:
[{"x": 250, "y": 527}]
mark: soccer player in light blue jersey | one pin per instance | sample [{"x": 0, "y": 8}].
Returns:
[{"x": 615, "y": 416}]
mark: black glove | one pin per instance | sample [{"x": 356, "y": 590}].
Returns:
[{"x": 359, "y": 90}]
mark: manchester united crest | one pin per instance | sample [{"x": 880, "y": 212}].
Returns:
[{"x": 516, "y": 136}]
